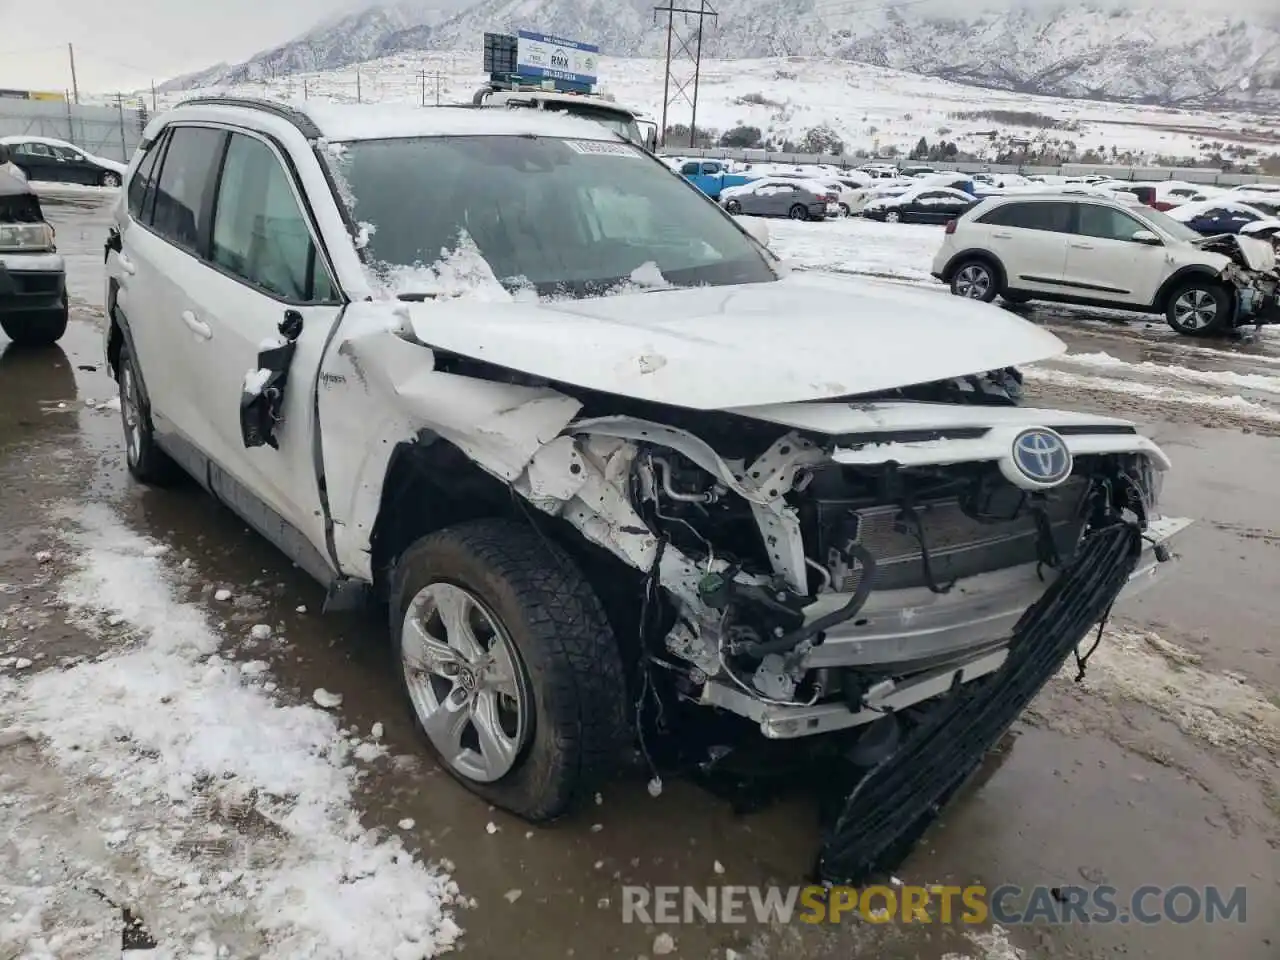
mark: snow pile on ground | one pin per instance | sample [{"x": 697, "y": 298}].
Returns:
[
  {"x": 184, "y": 792},
  {"x": 1223, "y": 710},
  {"x": 901, "y": 251}
]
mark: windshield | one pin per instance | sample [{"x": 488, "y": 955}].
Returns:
[
  {"x": 1175, "y": 229},
  {"x": 567, "y": 217}
]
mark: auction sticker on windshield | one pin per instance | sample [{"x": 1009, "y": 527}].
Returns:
[{"x": 603, "y": 148}]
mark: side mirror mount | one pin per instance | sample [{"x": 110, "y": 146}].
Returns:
[
  {"x": 1147, "y": 237},
  {"x": 756, "y": 228}
]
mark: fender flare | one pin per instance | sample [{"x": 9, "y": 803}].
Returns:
[
  {"x": 119, "y": 335},
  {"x": 1180, "y": 276}
]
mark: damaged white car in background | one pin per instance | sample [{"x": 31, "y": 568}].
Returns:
[{"x": 624, "y": 481}]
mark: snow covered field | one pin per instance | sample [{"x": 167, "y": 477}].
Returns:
[{"x": 870, "y": 108}]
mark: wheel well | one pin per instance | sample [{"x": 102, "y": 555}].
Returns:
[
  {"x": 1171, "y": 286},
  {"x": 431, "y": 485},
  {"x": 989, "y": 259}
]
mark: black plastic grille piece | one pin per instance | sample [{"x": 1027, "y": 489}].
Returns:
[{"x": 892, "y": 805}]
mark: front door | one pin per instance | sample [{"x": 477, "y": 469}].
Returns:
[{"x": 1105, "y": 262}]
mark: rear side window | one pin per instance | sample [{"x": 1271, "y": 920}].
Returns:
[
  {"x": 143, "y": 182},
  {"x": 259, "y": 232},
  {"x": 689, "y": 169},
  {"x": 1049, "y": 217},
  {"x": 184, "y": 192}
]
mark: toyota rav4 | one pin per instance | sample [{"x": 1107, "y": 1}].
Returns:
[{"x": 626, "y": 485}]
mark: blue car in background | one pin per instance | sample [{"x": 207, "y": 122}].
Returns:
[
  {"x": 1214, "y": 217},
  {"x": 712, "y": 176}
]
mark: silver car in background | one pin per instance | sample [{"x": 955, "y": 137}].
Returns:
[{"x": 781, "y": 197}]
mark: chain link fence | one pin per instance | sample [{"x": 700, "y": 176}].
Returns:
[{"x": 105, "y": 131}]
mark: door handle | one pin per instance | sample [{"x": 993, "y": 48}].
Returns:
[
  {"x": 1003, "y": 236},
  {"x": 126, "y": 264},
  {"x": 1082, "y": 246},
  {"x": 198, "y": 327}
]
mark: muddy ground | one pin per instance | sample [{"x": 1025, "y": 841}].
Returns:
[{"x": 1160, "y": 768}]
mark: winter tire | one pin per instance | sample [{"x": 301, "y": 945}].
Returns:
[
  {"x": 1199, "y": 308},
  {"x": 734, "y": 207},
  {"x": 893, "y": 217},
  {"x": 513, "y": 675},
  {"x": 36, "y": 329},
  {"x": 110, "y": 179},
  {"x": 146, "y": 461},
  {"x": 845, "y": 211},
  {"x": 798, "y": 212},
  {"x": 975, "y": 280}
]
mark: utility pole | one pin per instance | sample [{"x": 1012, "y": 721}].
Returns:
[
  {"x": 423, "y": 76},
  {"x": 305, "y": 92},
  {"x": 153, "y": 97},
  {"x": 679, "y": 78},
  {"x": 359, "y": 98},
  {"x": 75, "y": 86}
]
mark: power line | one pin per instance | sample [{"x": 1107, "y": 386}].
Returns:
[{"x": 683, "y": 84}]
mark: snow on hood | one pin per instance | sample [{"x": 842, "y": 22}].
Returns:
[{"x": 808, "y": 336}]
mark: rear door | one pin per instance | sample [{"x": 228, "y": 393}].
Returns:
[
  {"x": 264, "y": 263},
  {"x": 38, "y": 161},
  {"x": 162, "y": 260},
  {"x": 1030, "y": 238},
  {"x": 1105, "y": 262}
]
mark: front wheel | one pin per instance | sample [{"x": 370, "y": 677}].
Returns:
[
  {"x": 975, "y": 280},
  {"x": 1199, "y": 308},
  {"x": 512, "y": 672},
  {"x": 733, "y": 207},
  {"x": 893, "y": 217},
  {"x": 845, "y": 211},
  {"x": 798, "y": 212},
  {"x": 110, "y": 179},
  {"x": 36, "y": 329}
]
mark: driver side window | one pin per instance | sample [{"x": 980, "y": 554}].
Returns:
[{"x": 1105, "y": 223}]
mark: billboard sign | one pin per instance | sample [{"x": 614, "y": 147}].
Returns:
[{"x": 554, "y": 58}]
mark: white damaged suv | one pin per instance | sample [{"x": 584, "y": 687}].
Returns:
[{"x": 620, "y": 478}]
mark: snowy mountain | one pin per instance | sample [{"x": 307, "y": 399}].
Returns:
[{"x": 1163, "y": 56}]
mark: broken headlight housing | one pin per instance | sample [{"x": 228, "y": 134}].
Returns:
[{"x": 26, "y": 238}]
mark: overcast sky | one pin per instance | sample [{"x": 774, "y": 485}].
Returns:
[{"x": 124, "y": 44}]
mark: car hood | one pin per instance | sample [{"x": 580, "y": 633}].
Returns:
[
  {"x": 106, "y": 164},
  {"x": 808, "y": 336}
]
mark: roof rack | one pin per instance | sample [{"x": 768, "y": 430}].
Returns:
[{"x": 306, "y": 126}]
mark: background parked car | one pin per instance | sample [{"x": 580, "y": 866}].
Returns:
[
  {"x": 1217, "y": 216},
  {"x": 781, "y": 197},
  {"x": 57, "y": 161},
  {"x": 922, "y": 205}
]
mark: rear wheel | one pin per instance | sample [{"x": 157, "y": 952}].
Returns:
[
  {"x": 146, "y": 461},
  {"x": 110, "y": 179},
  {"x": 734, "y": 207},
  {"x": 512, "y": 672},
  {"x": 975, "y": 280},
  {"x": 845, "y": 211},
  {"x": 798, "y": 212},
  {"x": 1199, "y": 308}
]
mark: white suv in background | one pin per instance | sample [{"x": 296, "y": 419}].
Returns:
[{"x": 1096, "y": 252}]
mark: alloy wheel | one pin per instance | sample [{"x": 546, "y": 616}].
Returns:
[
  {"x": 1196, "y": 309},
  {"x": 973, "y": 282},
  {"x": 466, "y": 681}
]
